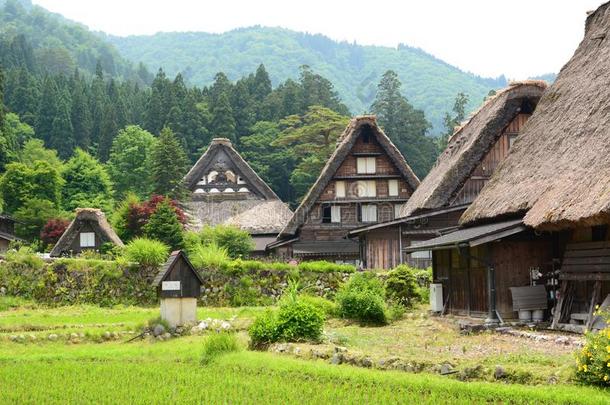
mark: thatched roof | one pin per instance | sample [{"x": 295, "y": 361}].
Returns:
[
  {"x": 344, "y": 145},
  {"x": 253, "y": 216},
  {"x": 218, "y": 145},
  {"x": 86, "y": 216},
  {"x": 469, "y": 144},
  {"x": 558, "y": 173}
]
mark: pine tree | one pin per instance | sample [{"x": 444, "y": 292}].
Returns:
[
  {"x": 47, "y": 110},
  {"x": 159, "y": 103},
  {"x": 459, "y": 111},
  {"x": 1, "y": 98},
  {"x": 108, "y": 131},
  {"x": 223, "y": 123},
  {"x": 405, "y": 125},
  {"x": 168, "y": 164},
  {"x": 163, "y": 225},
  {"x": 62, "y": 133},
  {"x": 81, "y": 114}
]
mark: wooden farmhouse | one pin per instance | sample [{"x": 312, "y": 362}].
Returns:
[
  {"x": 473, "y": 153},
  {"x": 89, "y": 230},
  {"x": 7, "y": 232},
  {"x": 365, "y": 181},
  {"x": 224, "y": 189},
  {"x": 543, "y": 218}
]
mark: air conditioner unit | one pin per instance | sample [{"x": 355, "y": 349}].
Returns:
[{"x": 436, "y": 297}]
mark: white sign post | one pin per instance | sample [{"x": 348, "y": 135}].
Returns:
[{"x": 170, "y": 286}]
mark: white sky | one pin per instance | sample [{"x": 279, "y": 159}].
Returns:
[{"x": 519, "y": 38}]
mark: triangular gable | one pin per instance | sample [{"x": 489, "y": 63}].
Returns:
[
  {"x": 344, "y": 146},
  {"x": 169, "y": 265},
  {"x": 96, "y": 219},
  {"x": 469, "y": 144},
  {"x": 222, "y": 146}
]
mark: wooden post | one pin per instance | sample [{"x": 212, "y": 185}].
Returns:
[
  {"x": 559, "y": 304},
  {"x": 597, "y": 288}
]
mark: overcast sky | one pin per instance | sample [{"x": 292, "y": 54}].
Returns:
[{"x": 519, "y": 38}]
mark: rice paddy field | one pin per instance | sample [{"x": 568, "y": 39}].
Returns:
[{"x": 87, "y": 369}]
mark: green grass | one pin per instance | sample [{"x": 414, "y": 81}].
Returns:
[{"x": 170, "y": 371}]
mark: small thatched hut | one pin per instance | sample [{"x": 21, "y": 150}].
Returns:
[
  {"x": 549, "y": 201},
  {"x": 226, "y": 190},
  {"x": 474, "y": 151},
  {"x": 366, "y": 180},
  {"x": 88, "y": 231}
]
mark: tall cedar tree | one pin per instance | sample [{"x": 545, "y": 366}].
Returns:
[
  {"x": 1, "y": 98},
  {"x": 405, "y": 125},
  {"x": 168, "y": 164},
  {"x": 459, "y": 113},
  {"x": 47, "y": 110},
  {"x": 164, "y": 225},
  {"x": 81, "y": 113},
  {"x": 61, "y": 137}
]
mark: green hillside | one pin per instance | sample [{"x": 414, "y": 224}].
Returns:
[
  {"x": 55, "y": 45},
  {"x": 355, "y": 70}
]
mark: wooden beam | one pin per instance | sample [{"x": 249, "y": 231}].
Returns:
[
  {"x": 597, "y": 288},
  {"x": 559, "y": 304}
]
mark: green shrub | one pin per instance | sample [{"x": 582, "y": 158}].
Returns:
[
  {"x": 402, "y": 287},
  {"x": 299, "y": 321},
  {"x": 263, "y": 330},
  {"x": 322, "y": 266},
  {"x": 237, "y": 242},
  {"x": 210, "y": 256},
  {"x": 146, "y": 252},
  {"x": 327, "y": 307},
  {"x": 24, "y": 257},
  {"x": 165, "y": 226},
  {"x": 593, "y": 360},
  {"x": 361, "y": 298},
  {"x": 218, "y": 344}
]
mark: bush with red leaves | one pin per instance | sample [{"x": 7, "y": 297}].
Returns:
[{"x": 53, "y": 229}]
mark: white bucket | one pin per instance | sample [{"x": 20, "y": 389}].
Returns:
[
  {"x": 538, "y": 315},
  {"x": 525, "y": 315}
]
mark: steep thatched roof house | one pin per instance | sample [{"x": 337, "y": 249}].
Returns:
[
  {"x": 89, "y": 230},
  {"x": 474, "y": 151},
  {"x": 226, "y": 190},
  {"x": 365, "y": 180},
  {"x": 549, "y": 201}
]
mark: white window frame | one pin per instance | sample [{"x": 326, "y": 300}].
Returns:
[
  {"x": 393, "y": 188},
  {"x": 87, "y": 239},
  {"x": 340, "y": 189},
  {"x": 368, "y": 212},
  {"x": 366, "y": 165},
  {"x": 335, "y": 214}
]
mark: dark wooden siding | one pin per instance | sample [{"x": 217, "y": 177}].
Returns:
[
  {"x": 498, "y": 152},
  {"x": 189, "y": 283},
  {"x": 86, "y": 227}
]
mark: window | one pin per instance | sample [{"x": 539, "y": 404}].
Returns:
[
  {"x": 87, "y": 239},
  {"x": 365, "y": 165},
  {"x": 511, "y": 140},
  {"x": 393, "y": 188},
  {"x": 368, "y": 213},
  {"x": 326, "y": 214},
  {"x": 397, "y": 209},
  {"x": 335, "y": 214},
  {"x": 366, "y": 188},
  {"x": 340, "y": 189}
]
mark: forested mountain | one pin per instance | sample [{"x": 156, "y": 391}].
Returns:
[
  {"x": 429, "y": 83},
  {"x": 51, "y": 44}
]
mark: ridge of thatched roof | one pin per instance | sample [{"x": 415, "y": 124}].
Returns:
[
  {"x": 207, "y": 159},
  {"x": 558, "y": 173},
  {"x": 469, "y": 144},
  {"x": 96, "y": 218},
  {"x": 345, "y": 142}
]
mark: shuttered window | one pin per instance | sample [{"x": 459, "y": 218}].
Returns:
[
  {"x": 368, "y": 213},
  {"x": 340, "y": 189},
  {"x": 393, "y": 188},
  {"x": 335, "y": 213},
  {"x": 87, "y": 239},
  {"x": 365, "y": 165}
]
